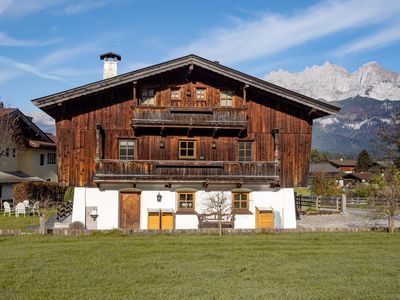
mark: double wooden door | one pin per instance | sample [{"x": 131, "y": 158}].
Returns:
[{"x": 129, "y": 207}]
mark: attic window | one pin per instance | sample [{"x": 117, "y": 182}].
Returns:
[
  {"x": 200, "y": 94},
  {"x": 226, "y": 98},
  {"x": 148, "y": 96},
  {"x": 175, "y": 93}
]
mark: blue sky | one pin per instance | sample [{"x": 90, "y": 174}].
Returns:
[{"x": 48, "y": 46}]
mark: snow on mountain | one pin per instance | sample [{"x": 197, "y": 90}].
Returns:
[
  {"x": 43, "y": 121},
  {"x": 331, "y": 82}
]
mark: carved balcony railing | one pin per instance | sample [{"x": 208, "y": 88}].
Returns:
[
  {"x": 195, "y": 117},
  {"x": 186, "y": 171}
]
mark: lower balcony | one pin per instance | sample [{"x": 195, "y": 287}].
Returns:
[{"x": 186, "y": 171}]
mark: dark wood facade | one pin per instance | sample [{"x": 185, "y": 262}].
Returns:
[{"x": 118, "y": 113}]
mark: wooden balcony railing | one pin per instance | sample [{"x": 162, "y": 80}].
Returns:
[
  {"x": 186, "y": 171},
  {"x": 196, "y": 117}
]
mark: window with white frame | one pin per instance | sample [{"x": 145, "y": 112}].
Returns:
[
  {"x": 126, "y": 149},
  {"x": 148, "y": 96},
  {"x": 226, "y": 98}
]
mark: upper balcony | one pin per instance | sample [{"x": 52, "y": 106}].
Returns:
[
  {"x": 193, "y": 117},
  {"x": 178, "y": 171}
]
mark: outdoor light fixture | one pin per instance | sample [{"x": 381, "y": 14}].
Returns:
[
  {"x": 159, "y": 197},
  {"x": 93, "y": 213}
]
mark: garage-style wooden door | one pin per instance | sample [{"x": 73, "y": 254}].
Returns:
[
  {"x": 129, "y": 203},
  {"x": 264, "y": 218}
]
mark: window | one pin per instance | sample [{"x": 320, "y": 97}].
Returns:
[
  {"x": 200, "y": 94},
  {"x": 14, "y": 152},
  {"x": 42, "y": 159},
  {"x": 148, "y": 96},
  {"x": 175, "y": 94},
  {"x": 240, "y": 200},
  {"x": 51, "y": 158},
  {"x": 187, "y": 149},
  {"x": 226, "y": 98},
  {"x": 126, "y": 149},
  {"x": 245, "y": 153},
  {"x": 185, "y": 200},
  {"x": 7, "y": 152}
]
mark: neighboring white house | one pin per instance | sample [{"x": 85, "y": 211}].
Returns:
[{"x": 26, "y": 152}]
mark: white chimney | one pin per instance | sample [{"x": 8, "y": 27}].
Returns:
[{"x": 110, "y": 68}]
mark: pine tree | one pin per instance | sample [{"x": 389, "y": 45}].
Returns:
[{"x": 364, "y": 162}]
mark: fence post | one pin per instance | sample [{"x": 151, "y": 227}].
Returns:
[
  {"x": 344, "y": 204},
  {"x": 337, "y": 203},
  {"x": 316, "y": 202}
]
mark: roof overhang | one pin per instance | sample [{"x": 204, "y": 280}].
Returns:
[{"x": 45, "y": 103}]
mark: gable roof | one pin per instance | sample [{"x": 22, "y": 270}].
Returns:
[
  {"x": 4, "y": 112},
  {"x": 48, "y": 101},
  {"x": 323, "y": 167},
  {"x": 343, "y": 162}
]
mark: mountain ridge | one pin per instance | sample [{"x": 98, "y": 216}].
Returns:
[{"x": 331, "y": 82}]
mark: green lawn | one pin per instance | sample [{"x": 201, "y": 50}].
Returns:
[
  {"x": 279, "y": 266},
  {"x": 11, "y": 222},
  {"x": 20, "y": 223}
]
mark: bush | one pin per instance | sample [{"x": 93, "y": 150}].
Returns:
[
  {"x": 69, "y": 194},
  {"x": 37, "y": 191}
]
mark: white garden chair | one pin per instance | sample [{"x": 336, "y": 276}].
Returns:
[
  {"x": 35, "y": 208},
  {"x": 20, "y": 209},
  {"x": 7, "y": 209},
  {"x": 26, "y": 203}
]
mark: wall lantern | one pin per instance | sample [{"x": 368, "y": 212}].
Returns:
[
  {"x": 159, "y": 197},
  {"x": 188, "y": 93},
  {"x": 214, "y": 145},
  {"x": 93, "y": 213}
]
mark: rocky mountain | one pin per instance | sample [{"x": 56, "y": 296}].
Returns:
[
  {"x": 357, "y": 126},
  {"x": 331, "y": 82},
  {"x": 43, "y": 121}
]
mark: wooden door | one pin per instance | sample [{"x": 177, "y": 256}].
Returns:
[{"x": 129, "y": 207}]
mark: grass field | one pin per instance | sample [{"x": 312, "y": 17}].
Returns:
[
  {"x": 20, "y": 223},
  {"x": 279, "y": 266}
]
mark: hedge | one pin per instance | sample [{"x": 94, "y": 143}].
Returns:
[{"x": 37, "y": 191}]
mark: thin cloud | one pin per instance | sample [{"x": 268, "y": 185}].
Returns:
[
  {"x": 82, "y": 7},
  {"x": 61, "y": 56},
  {"x": 6, "y": 40},
  {"x": 14, "y": 65},
  {"x": 12, "y": 8},
  {"x": 374, "y": 41},
  {"x": 272, "y": 33}
]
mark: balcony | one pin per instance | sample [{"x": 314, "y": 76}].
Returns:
[
  {"x": 194, "y": 117},
  {"x": 186, "y": 171}
]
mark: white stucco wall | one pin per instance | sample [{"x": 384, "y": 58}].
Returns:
[{"x": 107, "y": 203}]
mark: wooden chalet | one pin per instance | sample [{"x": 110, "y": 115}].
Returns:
[{"x": 188, "y": 123}]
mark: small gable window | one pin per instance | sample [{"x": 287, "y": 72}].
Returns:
[
  {"x": 175, "y": 93},
  {"x": 226, "y": 98},
  {"x": 200, "y": 94},
  {"x": 148, "y": 96}
]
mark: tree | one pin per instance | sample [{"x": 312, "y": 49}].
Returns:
[
  {"x": 10, "y": 134},
  {"x": 385, "y": 196},
  {"x": 364, "y": 162},
  {"x": 318, "y": 156},
  {"x": 323, "y": 185},
  {"x": 391, "y": 137},
  {"x": 217, "y": 203}
]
